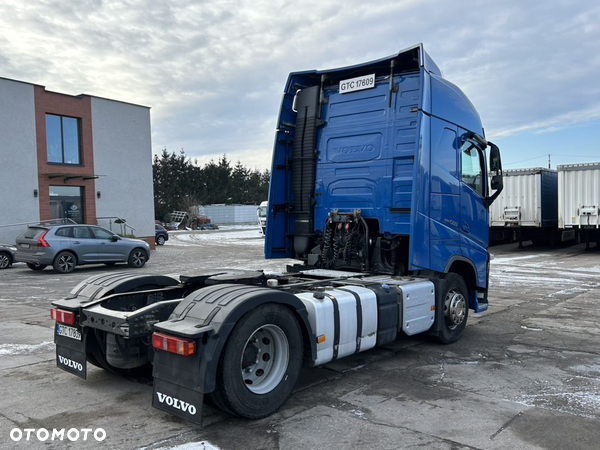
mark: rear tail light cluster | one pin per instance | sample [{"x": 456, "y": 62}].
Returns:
[
  {"x": 42, "y": 242},
  {"x": 172, "y": 344},
  {"x": 62, "y": 316}
]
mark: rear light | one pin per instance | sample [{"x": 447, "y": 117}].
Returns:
[
  {"x": 63, "y": 316},
  {"x": 42, "y": 242},
  {"x": 171, "y": 344}
]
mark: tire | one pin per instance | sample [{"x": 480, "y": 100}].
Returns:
[
  {"x": 36, "y": 266},
  {"x": 160, "y": 240},
  {"x": 5, "y": 260},
  {"x": 137, "y": 258},
  {"x": 253, "y": 386},
  {"x": 455, "y": 298},
  {"x": 64, "y": 262}
]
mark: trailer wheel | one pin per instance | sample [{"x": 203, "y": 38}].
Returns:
[
  {"x": 260, "y": 363},
  {"x": 455, "y": 303}
]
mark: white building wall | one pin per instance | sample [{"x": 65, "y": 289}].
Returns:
[
  {"x": 18, "y": 159},
  {"x": 123, "y": 152},
  {"x": 230, "y": 214}
]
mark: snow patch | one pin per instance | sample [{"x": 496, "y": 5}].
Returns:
[
  {"x": 23, "y": 349},
  {"x": 202, "y": 445},
  {"x": 531, "y": 329}
]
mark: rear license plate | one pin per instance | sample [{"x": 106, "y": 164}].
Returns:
[
  {"x": 24, "y": 245},
  {"x": 70, "y": 332}
]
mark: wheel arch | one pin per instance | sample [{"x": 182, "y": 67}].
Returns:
[
  {"x": 11, "y": 258},
  {"x": 72, "y": 252},
  {"x": 465, "y": 269},
  {"x": 216, "y": 310}
]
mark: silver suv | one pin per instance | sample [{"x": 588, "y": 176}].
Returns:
[{"x": 66, "y": 246}]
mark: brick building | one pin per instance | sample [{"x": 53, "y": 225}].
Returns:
[{"x": 83, "y": 158}]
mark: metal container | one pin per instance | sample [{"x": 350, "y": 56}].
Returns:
[
  {"x": 579, "y": 195},
  {"x": 529, "y": 199},
  {"x": 333, "y": 318}
]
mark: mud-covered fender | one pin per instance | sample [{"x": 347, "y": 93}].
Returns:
[{"x": 208, "y": 315}]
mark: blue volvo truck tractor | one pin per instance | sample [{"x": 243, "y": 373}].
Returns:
[{"x": 379, "y": 187}]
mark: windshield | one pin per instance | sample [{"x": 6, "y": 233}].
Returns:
[{"x": 262, "y": 211}]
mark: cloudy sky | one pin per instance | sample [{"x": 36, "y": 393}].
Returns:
[{"x": 213, "y": 71}]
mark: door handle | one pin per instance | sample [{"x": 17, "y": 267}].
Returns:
[
  {"x": 76, "y": 242},
  {"x": 465, "y": 228}
]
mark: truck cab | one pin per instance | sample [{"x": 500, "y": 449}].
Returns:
[
  {"x": 261, "y": 213},
  {"x": 382, "y": 167}
]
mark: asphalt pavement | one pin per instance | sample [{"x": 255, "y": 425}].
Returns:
[{"x": 524, "y": 375}]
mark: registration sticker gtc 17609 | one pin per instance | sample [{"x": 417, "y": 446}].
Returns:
[{"x": 357, "y": 84}]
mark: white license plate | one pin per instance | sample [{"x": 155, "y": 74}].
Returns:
[
  {"x": 357, "y": 84},
  {"x": 25, "y": 245},
  {"x": 70, "y": 332}
]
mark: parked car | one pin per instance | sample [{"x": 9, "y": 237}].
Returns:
[
  {"x": 7, "y": 255},
  {"x": 161, "y": 234},
  {"x": 67, "y": 246}
]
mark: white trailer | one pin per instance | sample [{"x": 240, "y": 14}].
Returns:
[
  {"x": 527, "y": 207},
  {"x": 579, "y": 200}
]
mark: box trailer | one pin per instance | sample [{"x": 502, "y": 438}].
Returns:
[
  {"x": 527, "y": 208},
  {"x": 579, "y": 200}
]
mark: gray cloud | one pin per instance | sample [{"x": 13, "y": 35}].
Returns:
[{"x": 213, "y": 72}]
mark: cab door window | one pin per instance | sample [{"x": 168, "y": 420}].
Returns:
[{"x": 472, "y": 168}]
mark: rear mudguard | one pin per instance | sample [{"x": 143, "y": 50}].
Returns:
[
  {"x": 208, "y": 316},
  {"x": 71, "y": 354}
]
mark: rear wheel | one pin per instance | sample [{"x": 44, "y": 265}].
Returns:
[
  {"x": 160, "y": 240},
  {"x": 65, "y": 262},
  {"x": 4, "y": 260},
  {"x": 260, "y": 363},
  {"x": 36, "y": 266},
  {"x": 137, "y": 258},
  {"x": 455, "y": 305}
]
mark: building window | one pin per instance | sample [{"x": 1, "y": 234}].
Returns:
[
  {"x": 62, "y": 139},
  {"x": 66, "y": 202}
]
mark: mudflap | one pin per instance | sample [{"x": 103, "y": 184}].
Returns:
[
  {"x": 72, "y": 361},
  {"x": 178, "y": 400},
  {"x": 71, "y": 353}
]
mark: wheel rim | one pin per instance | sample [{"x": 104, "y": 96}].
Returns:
[
  {"x": 161, "y": 240},
  {"x": 66, "y": 263},
  {"x": 4, "y": 261},
  {"x": 455, "y": 308},
  {"x": 138, "y": 259},
  {"x": 265, "y": 359}
]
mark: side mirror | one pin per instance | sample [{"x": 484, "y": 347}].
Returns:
[
  {"x": 496, "y": 172},
  {"x": 114, "y": 238},
  {"x": 495, "y": 160}
]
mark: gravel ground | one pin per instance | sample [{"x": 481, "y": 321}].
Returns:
[{"x": 525, "y": 375}]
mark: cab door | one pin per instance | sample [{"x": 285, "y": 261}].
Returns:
[{"x": 474, "y": 227}]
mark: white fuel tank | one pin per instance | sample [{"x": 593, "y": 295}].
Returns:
[{"x": 343, "y": 319}]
